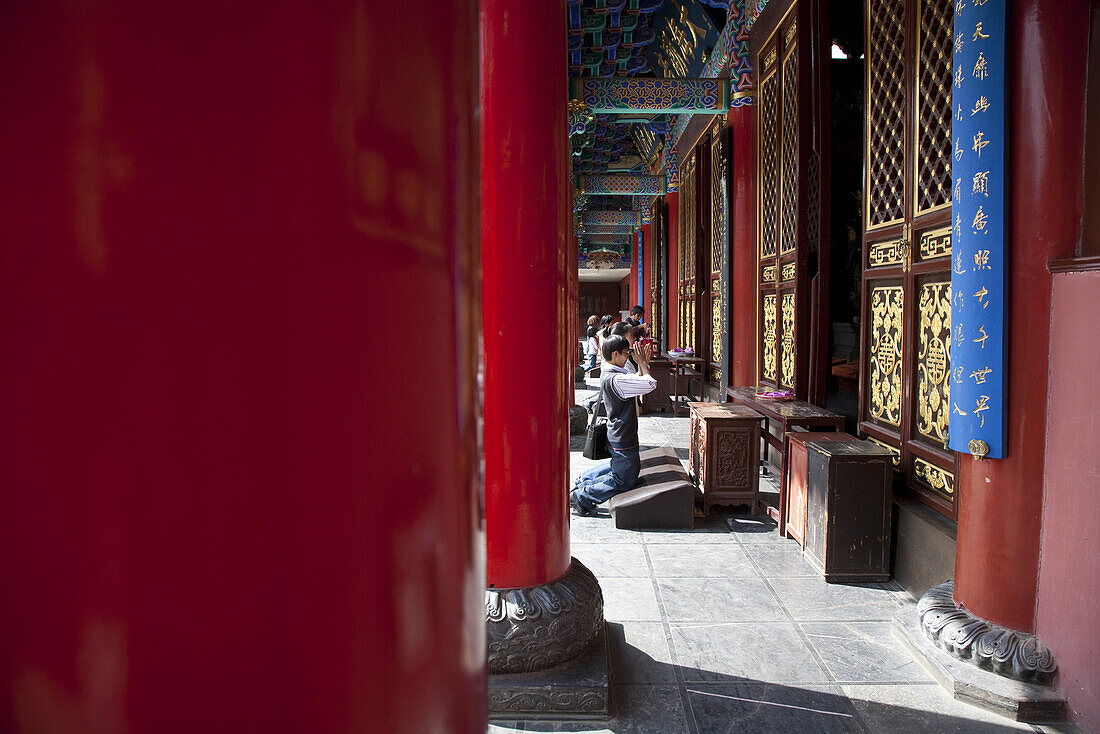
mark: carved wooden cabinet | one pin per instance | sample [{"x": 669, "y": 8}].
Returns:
[
  {"x": 848, "y": 487},
  {"x": 796, "y": 477},
  {"x": 724, "y": 456}
]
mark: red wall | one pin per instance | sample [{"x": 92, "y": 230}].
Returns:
[
  {"x": 1070, "y": 566},
  {"x": 599, "y": 299},
  {"x": 217, "y": 515}
]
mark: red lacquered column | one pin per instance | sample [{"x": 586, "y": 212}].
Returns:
[
  {"x": 743, "y": 286},
  {"x": 527, "y": 312},
  {"x": 997, "y": 562},
  {"x": 238, "y": 287}
]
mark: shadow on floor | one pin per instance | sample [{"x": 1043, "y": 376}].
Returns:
[{"x": 677, "y": 699}]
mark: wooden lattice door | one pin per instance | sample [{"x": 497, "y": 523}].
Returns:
[
  {"x": 688, "y": 261},
  {"x": 906, "y": 362},
  {"x": 657, "y": 273},
  {"x": 718, "y": 269},
  {"x": 788, "y": 201}
]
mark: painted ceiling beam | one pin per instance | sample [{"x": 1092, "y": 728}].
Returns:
[
  {"x": 606, "y": 216},
  {"x": 622, "y": 184},
  {"x": 606, "y": 239},
  {"x": 635, "y": 95}
]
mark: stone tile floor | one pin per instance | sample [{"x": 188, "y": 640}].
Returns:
[{"x": 725, "y": 628}]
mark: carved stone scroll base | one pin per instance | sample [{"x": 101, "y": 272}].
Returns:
[
  {"x": 1016, "y": 655},
  {"x": 538, "y": 627}
]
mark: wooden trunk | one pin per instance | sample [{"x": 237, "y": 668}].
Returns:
[
  {"x": 658, "y": 401},
  {"x": 848, "y": 510},
  {"x": 723, "y": 460},
  {"x": 796, "y": 478}
]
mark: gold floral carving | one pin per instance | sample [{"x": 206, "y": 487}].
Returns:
[
  {"x": 716, "y": 329},
  {"x": 768, "y": 274},
  {"x": 934, "y": 361},
  {"x": 787, "y": 362},
  {"x": 886, "y": 354},
  {"x": 769, "y": 360},
  {"x": 788, "y": 272},
  {"x": 938, "y": 479}
]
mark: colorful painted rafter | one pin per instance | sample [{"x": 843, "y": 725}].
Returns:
[
  {"x": 609, "y": 217},
  {"x": 652, "y": 96},
  {"x": 628, "y": 184}
]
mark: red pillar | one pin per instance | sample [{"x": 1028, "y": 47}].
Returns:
[
  {"x": 743, "y": 264},
  {"x": 525, "y": 261},
  {"x": 226, "y": 507},
  {"x": 672, "y": 283},
  {"x": 1000, "y": 502}
]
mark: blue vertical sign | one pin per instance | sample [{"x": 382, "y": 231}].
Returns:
[
  {"x": 979, "y": 253},
  {"x": 641, "y": 260}
]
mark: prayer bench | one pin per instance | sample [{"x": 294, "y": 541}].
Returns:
[{"x": 664, "y": 498}]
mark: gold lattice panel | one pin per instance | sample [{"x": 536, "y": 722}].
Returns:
[
  {"x": 935, "y": 244},
  {"x": 788, "y": 186},
  {"x": 933, "y": 155},
  {"x": 718, "y": 200},
  {"x": 939, "y": 480},
  {"x": 934, "y": 361},
  {"x": 884, "y": 253},
  {"x": 786, "y": 363},
  {"x": 886, "y": 112},
  {"x": 769, "y": 164},
  {"x": 885, "y": 357},
  {"x": 688, "y": 245},
  {"x": 767, "y": 335},
  {"x": 767, "y": 274},
  {"x": 789, "y": 270}
]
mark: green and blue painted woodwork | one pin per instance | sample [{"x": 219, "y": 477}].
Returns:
[
  {"x": 622, "y": 184},
  {"x": 649, "y": 95},
  {"x": 609, "y": 217},
  {"x": 979, "y": 272},
  {"x": 607, "y": 239}
]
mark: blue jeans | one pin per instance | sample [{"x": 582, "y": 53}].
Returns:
[
  {"x": 590, "y": 363},
  {"x": 601, "y": 483}
]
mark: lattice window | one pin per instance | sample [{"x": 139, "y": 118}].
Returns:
[
  {"x": 789, "y": 172},
  {"x": 933, "y": 155},
  {"x": 886, "y": 112},
  {"x": 688, "y": 244},
  {"x": 717, "y": 202},
  {"x": 769, "y": 164}
]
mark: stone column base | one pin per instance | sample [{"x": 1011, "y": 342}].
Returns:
[
  {"x": 538, "y": 627},
  {"x": 1016, "y": 655}
]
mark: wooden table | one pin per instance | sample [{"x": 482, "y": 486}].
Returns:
[
  {"x": 722, "y": 462},
  {"x": 679, "y": 364},
  {"x": 787, "y": 415}
]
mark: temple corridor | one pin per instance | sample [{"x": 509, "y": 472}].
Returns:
[{"x": 726, "y": 628}]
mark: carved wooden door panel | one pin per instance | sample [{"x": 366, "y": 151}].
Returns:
[
  {"x": 718, "y": 265},
  {"x": 688, "y": 254},
  {"x": 789, "y": 215},
  {"x": 907, "y": 243},
  {"x": 657, "y": 273}
]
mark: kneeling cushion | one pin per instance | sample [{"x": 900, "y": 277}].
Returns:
[{"x": 663, "y": 499}]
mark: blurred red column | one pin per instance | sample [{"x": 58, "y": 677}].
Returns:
[
  {"x": 526, "y": 284},
  {"x": 238, "y": 287}
]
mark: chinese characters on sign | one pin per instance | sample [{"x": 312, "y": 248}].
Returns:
[{"x": 978, "y": 273}]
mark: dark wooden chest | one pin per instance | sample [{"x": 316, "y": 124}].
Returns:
[{"x": 848, "y": 510}]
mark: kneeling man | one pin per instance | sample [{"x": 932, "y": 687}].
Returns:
[{"x": 618, "y": 388}]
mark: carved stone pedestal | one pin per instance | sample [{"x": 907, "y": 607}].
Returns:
[
  {"x": 995, "y": 668},
  {"x": 548, "y": 649}
]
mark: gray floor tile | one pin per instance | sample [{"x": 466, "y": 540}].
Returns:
[
  {"x": 923, "y": 709},
  {"x": 608, "y": 560},
  {"x": 779, "y": 560},
  {"x": 710, "y": 560},
  {"x": 638, "y": 710},
  {"x": 710, "y": 529},
  {"x": 626, "y": 599},
  {"x": 601, "y": 529},
  {"x": 504, "y": 727},
  {"x": 771, "y": 652},
  {"x": 864, "y": 652},
  {"x": 754, "y": 529},
  {"x": 720, "y": 600},
  {"x": 640, "y": 653},
  {"x": 812, "y": 599},
  {"x": 755, "y": 708}
]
